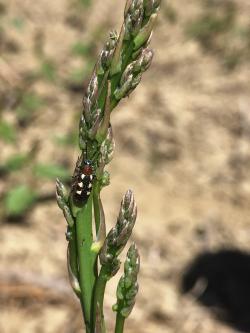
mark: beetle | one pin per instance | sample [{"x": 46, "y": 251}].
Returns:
[{"x": 82, "y": 182}]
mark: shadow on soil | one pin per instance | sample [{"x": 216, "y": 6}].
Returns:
[{"x": 221, "y": 281}]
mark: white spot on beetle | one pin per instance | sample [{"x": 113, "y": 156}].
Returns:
[
  {"x": 79, "y": 192},
  {"x": 90, "y": 185},
  {"x": 91, "y": 177},
  {"x": 80, "y": 184},
  {"x": 82, "y": 176},
  {"x": 88, "y": 193}
]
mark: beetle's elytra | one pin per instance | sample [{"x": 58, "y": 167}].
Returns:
[{"x": 82, "y": 184}]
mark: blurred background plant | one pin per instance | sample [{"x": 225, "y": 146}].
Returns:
[{"x": 219, "y": 31}]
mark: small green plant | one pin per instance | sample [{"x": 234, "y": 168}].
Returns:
[
  {"x": 7, "y": 132},
  {"x": 69, "y": 139},
  {"x": 19, "y": 199},
  {"x": 218, "y": 31},
  {"x": 82, "y": 49},
  {"x": 50, "y": 171},
  {"x": 30, "y": 103},
  {"x": 48, "y": 70},
  {"x": 18, "y": 23},
  {"x": 94, "y": 260},
  {"x": 15, "y": 162}
]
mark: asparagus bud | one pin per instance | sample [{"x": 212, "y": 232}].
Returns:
[
  {"x": 92, "y": 89},
  {"x": 105, "y": 179},
  {"x": 116, "y": 61},
  {"x": 68, "y": 216},
  {"x": 125, "y": 88},
  {"x": 151, "y": 6},
  {"x": 107, "y": 52},
  {"x": 106, "y": 152},
  {"x": 95, "y": 123},
  {"x": 132, "y": 74},
  {"x": 133, "y": 18},
  {"x": 105, "y": 122},
  {"x": 62, "y": 201},
  {"x": 144, "y": 60},
  {"x": 145, "y": 33},
  {"x": 128, "y": 286},
  {"x": 61, "y": 194},
  {"x": 83, "y": 132},
  {"x": 107, "y": 147},
  {"x": 118, "y": 236},
  {"x": 89, "y": 100},
  {"x": 127, "y": 7}
]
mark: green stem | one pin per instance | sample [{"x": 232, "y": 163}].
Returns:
[
  {"x": 73, "y": 252},
  {"x": 99, "y": 298},
  {"x": 73, "y": 263},
  {"x": 119, "y": 324},
  {"x": 96, "y": 195},
  {"x": 86, "y": 259}
]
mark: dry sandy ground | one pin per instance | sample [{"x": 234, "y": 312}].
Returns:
[{"x": 182, "y": 145}]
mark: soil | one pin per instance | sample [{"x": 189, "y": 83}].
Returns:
[{"x": 182, "y": 145}]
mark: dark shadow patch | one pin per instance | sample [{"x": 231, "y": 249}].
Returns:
[
  {"x": 221, "y": 281},
  {"x": 16, "y": 220},
  {"x": 158, "y": 316}
]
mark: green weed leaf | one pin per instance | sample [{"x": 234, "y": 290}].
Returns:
[
  {"x": 7, "y": 132},
  {"x": 81, "y": 49},
  {"x": 51, "y": 171},
  {"x": 48, "y": 70},
  {"x": 30, "y": 103},
  {"x": 19, "y": 199},
  {"x": 16, "y": 162},
  {"x": 18, "y": 23}
]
